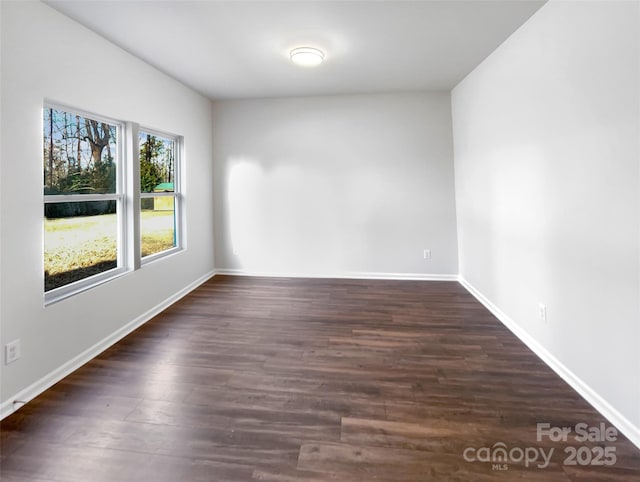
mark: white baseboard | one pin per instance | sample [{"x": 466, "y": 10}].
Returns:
[
  {"x": 342, "y": 275},
  {"x": 622, "y": 423},
  {"x": 23, "y": 396}
]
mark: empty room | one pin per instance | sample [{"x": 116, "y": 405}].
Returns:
[{"x": 319, "y": 240}]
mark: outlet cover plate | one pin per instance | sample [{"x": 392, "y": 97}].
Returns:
[{"x": 12, "y": 351}]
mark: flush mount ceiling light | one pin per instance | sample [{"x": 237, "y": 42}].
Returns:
[{"x": 306, "y": 56}]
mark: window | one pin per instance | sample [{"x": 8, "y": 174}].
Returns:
[
  {"x": 97, "y": 222},
  {"x": 159, "y": 193},
  {"x": 83, "y": 199}
]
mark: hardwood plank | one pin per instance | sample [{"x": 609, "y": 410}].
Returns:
[
  {"x": 71, "y": 463},
  {"x": 390, "y": 464}
]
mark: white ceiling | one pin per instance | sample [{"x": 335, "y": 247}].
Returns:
[{"x": 239, "y": 49}]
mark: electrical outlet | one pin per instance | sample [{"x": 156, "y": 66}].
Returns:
[
  {"x": 426, "y": 254},
  {"x": 12, "y": 351},
  {"x": 542, "y": 311}
]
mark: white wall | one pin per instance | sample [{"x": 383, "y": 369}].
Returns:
[
  {"x": 47, "y": 56},
  {"x": 339, "y": 185},
  {"x": 546, "y": 134}
]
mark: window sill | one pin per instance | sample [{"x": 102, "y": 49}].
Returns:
[
  {"x": 161, "y": 255},
  {"x": 72, "y": 289}
]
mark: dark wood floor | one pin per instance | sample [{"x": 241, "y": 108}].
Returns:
[{"x": 305, "y": 380}]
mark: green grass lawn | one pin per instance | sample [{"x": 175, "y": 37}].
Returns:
[
  {"x": 78, "y": 247},
  {"x": 157, "y": 231}
]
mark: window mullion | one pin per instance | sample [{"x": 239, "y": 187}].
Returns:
[
  {"x": 148, "y": 195},
  {"x": 67, "y": 198},
  {"x": 133, "y": 196}
]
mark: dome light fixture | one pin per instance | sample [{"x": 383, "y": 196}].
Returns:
[{"x": 306, "y": 56}]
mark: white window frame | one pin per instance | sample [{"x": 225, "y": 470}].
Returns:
[
  {"x": 176, "y": 194},
  {"x": 128, "y": 203},
  {"x": 123, "y": 254}
]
